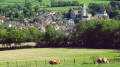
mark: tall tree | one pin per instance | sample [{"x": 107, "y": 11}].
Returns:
[
  {"x": 40, "y": 0},
  {"x": 27, "y": 1},
  {"x": 3, "y": 36},
  {"x": 36, "y": 8}
]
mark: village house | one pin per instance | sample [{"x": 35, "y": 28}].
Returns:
[
  {"x": 1, "y": 21},
  {"x": 60, "y": 22},
  {"x": 55, "y": 26},
  {"x": 101, "y": 14},
  {"x": 2, "y": 17},
  {"x": 74, "y": 14},
  {"x": 7, "y": 24},
  {"x": 19, "y": 26},
  {"x": 41, "y": 28},
  {"x": 13, "y": 24}
]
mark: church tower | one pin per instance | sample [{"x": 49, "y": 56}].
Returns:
[{"x": 83, "y": 11}]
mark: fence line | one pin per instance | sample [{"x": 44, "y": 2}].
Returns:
[
  {"x": 16, "y": 64},
  {"x": 7, "y": 64},
  {"x": 36, "y": 63}
]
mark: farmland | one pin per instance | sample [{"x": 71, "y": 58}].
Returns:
[
  {"x": 68, "y": 54},
  {"x": 35, "y": 2}
]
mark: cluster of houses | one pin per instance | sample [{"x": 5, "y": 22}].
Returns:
[
  {"x": 84, "y": 15},
  {"x": 54, "y": 19},
  {"x": 43, "y": 19}
]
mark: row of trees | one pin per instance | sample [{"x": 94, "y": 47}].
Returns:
[
  {"x": 64, "y": 3},
  {"x": 97, "y": 34},
  {"x": 88, "y": 34},
  {"x": 12, "y": 35}
]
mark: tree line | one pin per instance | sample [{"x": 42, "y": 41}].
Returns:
[
  {"x": 64, "y": 3},
  {"x": 87, "y": 34},
  {"x": 9, "y": 35}
]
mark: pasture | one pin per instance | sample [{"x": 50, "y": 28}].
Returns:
[
  {"x": 35, "y": 2},
  {"x": 40, "y": 56}
]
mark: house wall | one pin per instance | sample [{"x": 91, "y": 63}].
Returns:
[{"x": 85, "y": 18}]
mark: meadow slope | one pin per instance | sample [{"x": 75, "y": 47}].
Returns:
[
  {"x": 35, "y": 2},
  {"x": 40, "y": 54}
]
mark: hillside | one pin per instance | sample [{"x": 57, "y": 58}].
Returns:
[{"x": 47, "y": 2}]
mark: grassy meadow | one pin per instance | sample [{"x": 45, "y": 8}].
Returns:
[
  {"x": 35, "y": 2},
  {"x": 34, "y": 56}
]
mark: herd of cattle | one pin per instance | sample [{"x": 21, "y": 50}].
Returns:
[{"x": 99, "y": 61}]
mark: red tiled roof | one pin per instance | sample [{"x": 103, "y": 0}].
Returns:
[
  {"x": 95, "y": 18},
  {"x": 1, "y": 20}
]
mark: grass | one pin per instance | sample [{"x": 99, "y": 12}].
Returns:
[
  {"x": 40, "y": 54},
  {"x": 59, "y": 8},
  {"x": 35, "y": 2}
]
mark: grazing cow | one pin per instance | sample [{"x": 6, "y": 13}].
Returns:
[
  {"x": 52, "y": 62},
  {"x": 102, "y": 60}
]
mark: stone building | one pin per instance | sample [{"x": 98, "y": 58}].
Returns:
[{"x": 81, "y": 14}]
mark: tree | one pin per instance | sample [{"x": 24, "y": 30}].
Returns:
[
  {"x": 14, "y": 35},
  {"x": 27, "y": 1},
  {"x": 95, "y": 33},
  {"x": 75, "y": 3},
  {"x": 24, "y": 36},
  {"x": 50, "y": 36},
  {"x": 34, "y": 32},
  {"x": 41, "y": 42},
  {"x": 59, "y": 38},
  {"x": 69, "y": 12},
  {"x": 27, "y": 12},
  {"x": 40, "y": 0},
  {"x": 28, "y": 5},
  {"x": 11, "y": 18},
  {"x": 3, "y": 36},
  {"x": 36, "y": 8},
  {"x": 48, "y": 5},
  {"x": 21, "y": 17}
]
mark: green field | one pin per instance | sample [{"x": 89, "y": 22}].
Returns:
[
  {"x": 34, "y": 2},
  {"x": 81, "y": 55}
]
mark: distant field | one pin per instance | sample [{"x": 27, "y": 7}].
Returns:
[
  {"x": 40, "y": 54},
  {"x": 35, "y": 2},
  {"x": 59, "y": 8},
  {"x": 23, "y": 44}
]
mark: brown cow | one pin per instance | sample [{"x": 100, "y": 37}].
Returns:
[
  {"x": 52, "y": 62},
  {"x": 102, "y": 60}
]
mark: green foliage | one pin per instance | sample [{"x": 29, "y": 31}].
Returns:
[
  {"x": 27, "y": 1},
  {"x": 36, "y": 8},
  {"x": 34, "y": 33},
  {"x": 96, "y": 34},
  {"x": 10, "y": 35},
  {"x": 90, "y": 34},
  {"x": 64, "y": 3},
  {"x": 67, "y": 54},
  {"x": 40, "y": 0},
  {"x": 28, "y": 5},
  {"x": 3, "y": 36}
]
